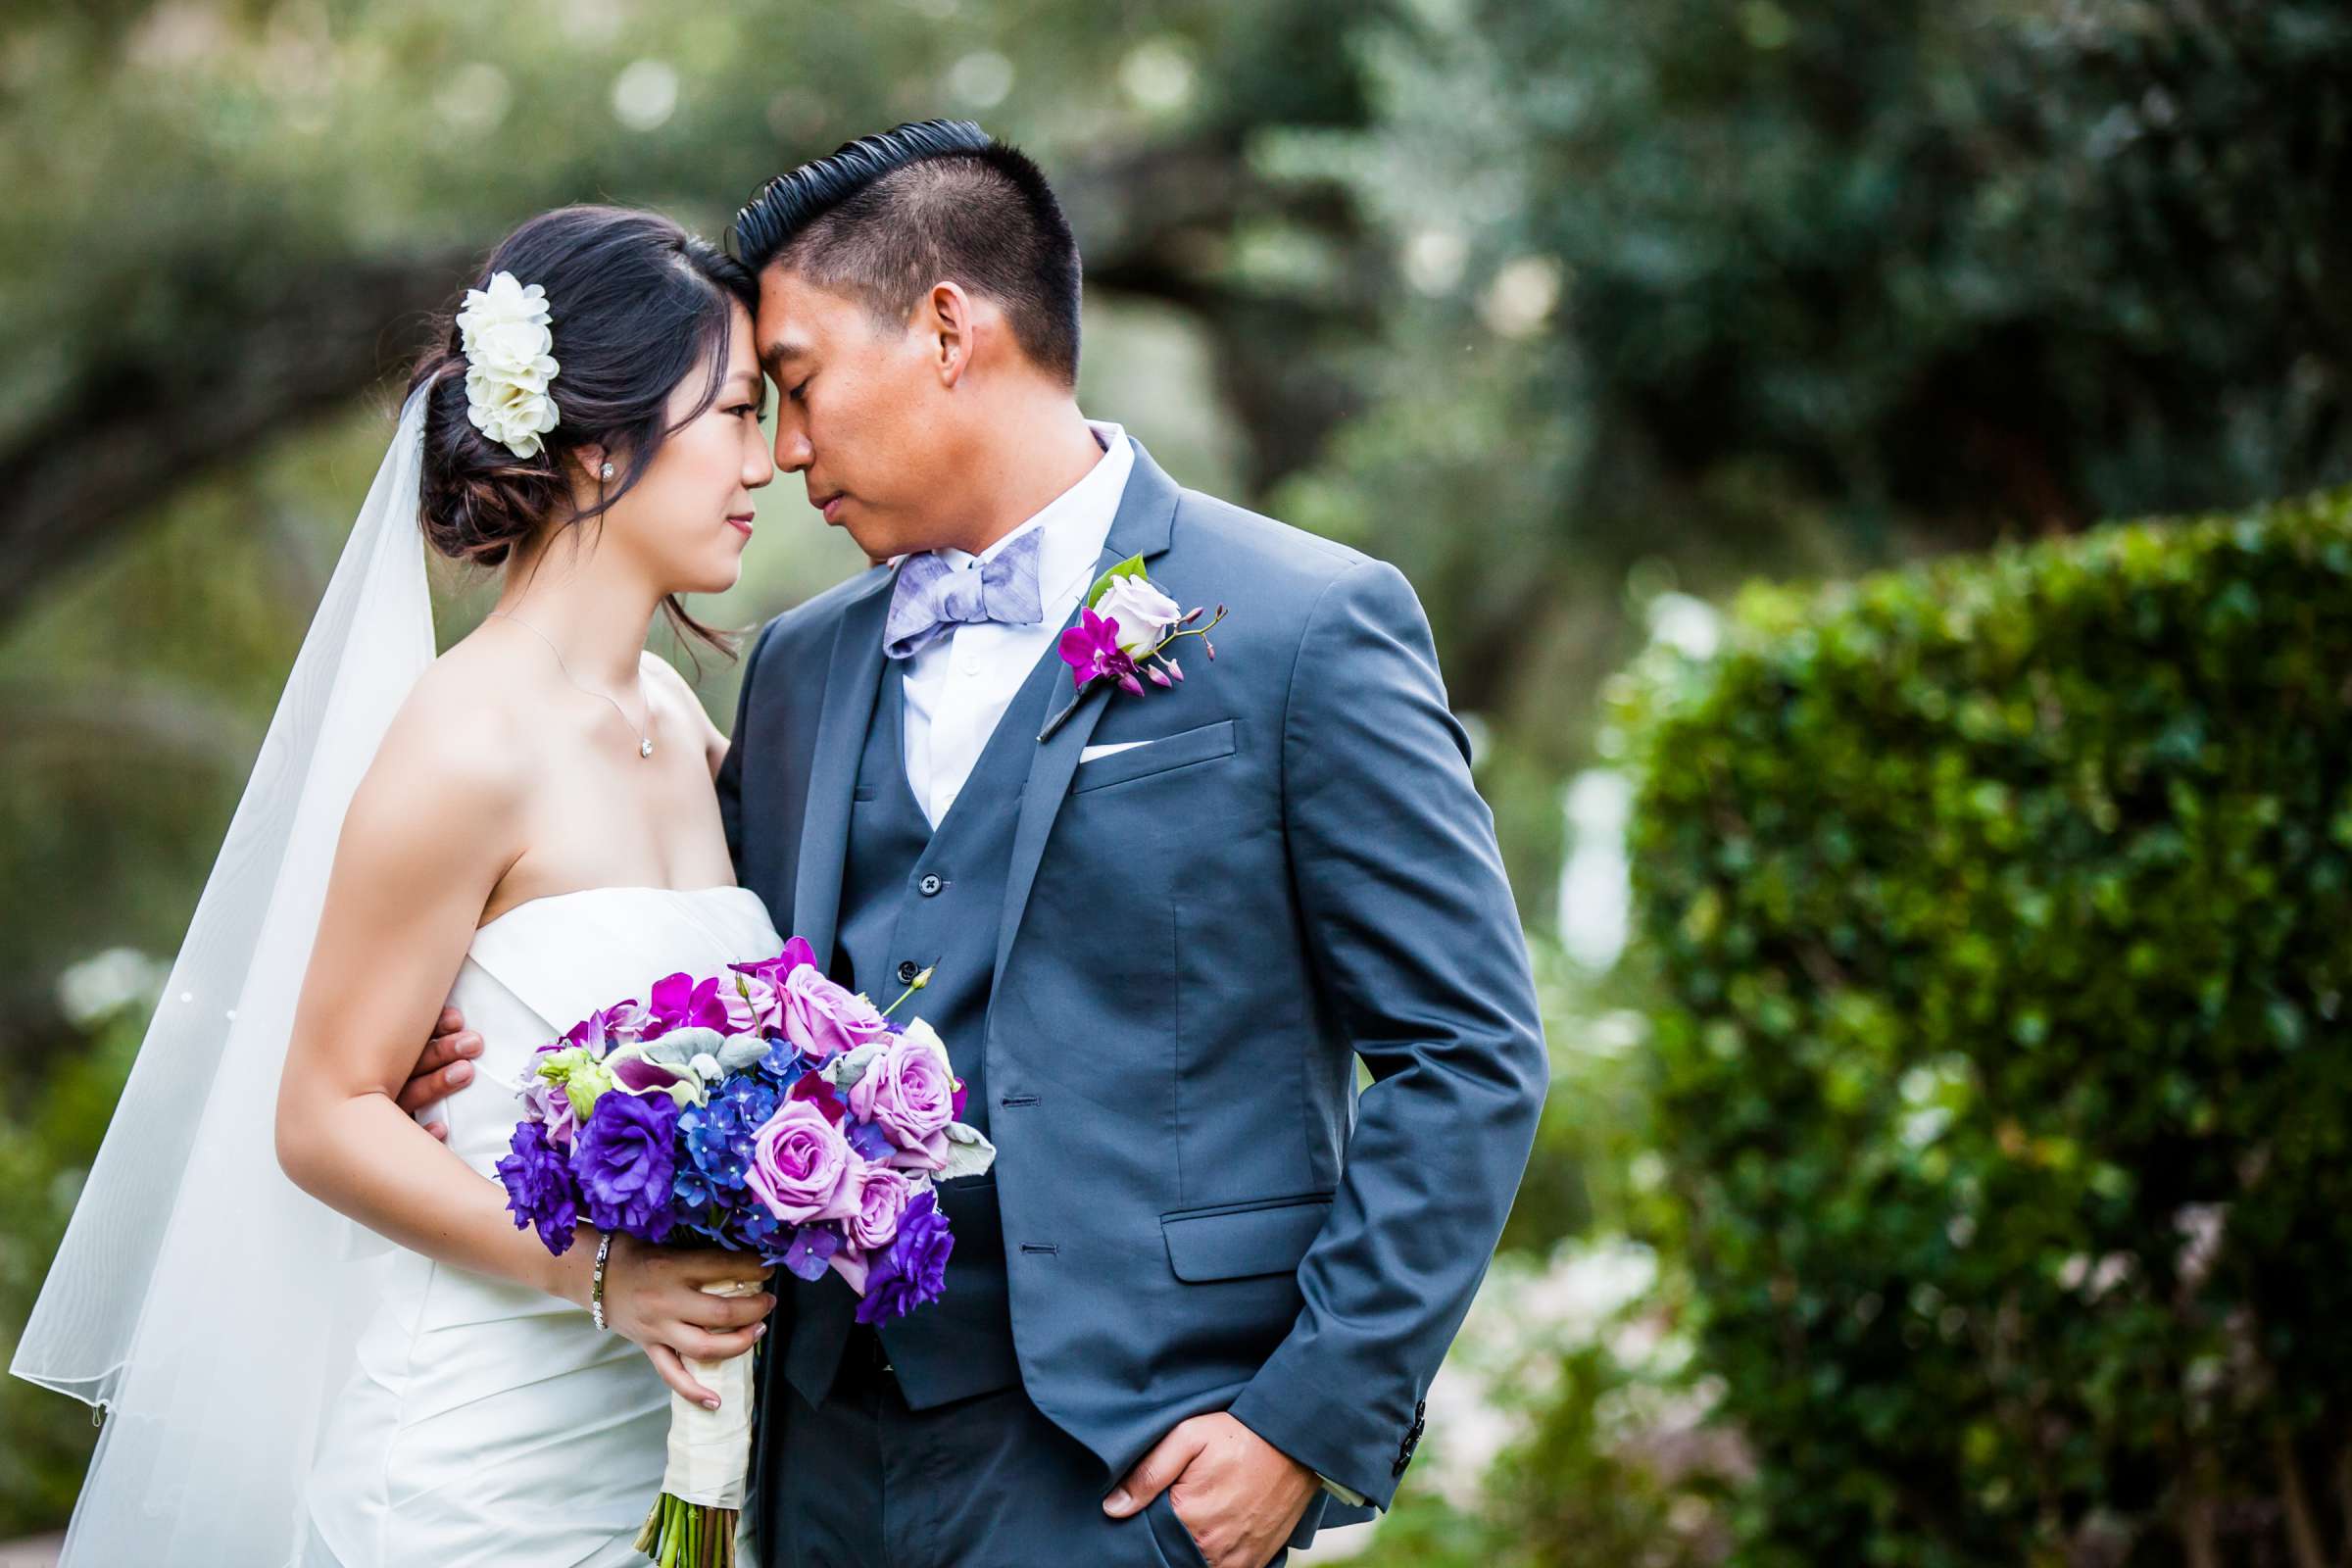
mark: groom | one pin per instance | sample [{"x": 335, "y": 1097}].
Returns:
[{"x": 1192, "y": 1312}]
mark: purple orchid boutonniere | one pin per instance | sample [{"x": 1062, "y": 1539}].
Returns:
[{"x": 1124, "y": 635}]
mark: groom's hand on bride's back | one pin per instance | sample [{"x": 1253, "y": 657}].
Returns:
[{"x": 443, "y": 1067}]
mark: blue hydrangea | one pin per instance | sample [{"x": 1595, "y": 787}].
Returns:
[{"x": 714, "y": 1199}]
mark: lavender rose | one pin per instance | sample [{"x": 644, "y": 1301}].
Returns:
[
  {"x": 801, "y": 1166},
  {"x": 752, "y": 1004},
  {"x": 909, "y": 1091},
  {"x": 912, "y": 1269},
  {"x": 881, "y": 1201},
  {"x": 822, "y": 1018},
  {"x": 1144, "y": 613},
  {"x": 625, "y": 1161}
]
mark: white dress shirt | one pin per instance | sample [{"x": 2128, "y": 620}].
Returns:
[{"x": 960, "y": 685}]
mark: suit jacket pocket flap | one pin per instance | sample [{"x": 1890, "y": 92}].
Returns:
[
  {"x": 1235, "y": 1242},
  {"x": 1206, "y": 744}
]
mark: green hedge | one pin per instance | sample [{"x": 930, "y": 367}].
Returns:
[{"x": 2002, "y": 914}]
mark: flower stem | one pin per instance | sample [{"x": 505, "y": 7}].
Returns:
[
  {"x": 920, "y": 981},
  {"x": 1189, "y": 631}
]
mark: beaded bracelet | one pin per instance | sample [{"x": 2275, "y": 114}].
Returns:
[{"x": 596, "y": 1288}]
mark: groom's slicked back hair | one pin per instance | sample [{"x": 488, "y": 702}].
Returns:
[{"x": 887, "y": 217}]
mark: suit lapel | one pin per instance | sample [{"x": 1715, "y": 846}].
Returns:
[
  {"x": 852, "y": 681},
  {"x": 1146, "y": 518}
]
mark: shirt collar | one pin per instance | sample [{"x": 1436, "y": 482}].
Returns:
[{"x": 1076, "y": 523}]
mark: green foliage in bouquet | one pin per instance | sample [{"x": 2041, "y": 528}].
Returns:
[{"x": 2000, "y": 914}]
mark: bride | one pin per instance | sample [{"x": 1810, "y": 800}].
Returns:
[{"x": 525, "y": 828}]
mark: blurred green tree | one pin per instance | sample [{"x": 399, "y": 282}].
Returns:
[{"x": 1805, "y": 286}]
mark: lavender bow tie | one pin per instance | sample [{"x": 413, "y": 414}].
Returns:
[{"x": 932, "y": 597}]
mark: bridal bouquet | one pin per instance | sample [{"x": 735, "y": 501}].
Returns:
[{"x": 765, "y": 1111}]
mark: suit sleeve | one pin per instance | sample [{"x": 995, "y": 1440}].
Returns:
[{"x": 1417, "y": 950}]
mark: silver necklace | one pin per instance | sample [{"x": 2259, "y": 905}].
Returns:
[{"x": 645, "y": 742}]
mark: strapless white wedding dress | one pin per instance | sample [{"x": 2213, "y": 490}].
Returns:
[{"x": 483, "y": 1422}]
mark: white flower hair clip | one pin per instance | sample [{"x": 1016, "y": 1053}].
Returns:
[{"x": 508, "y": 367}]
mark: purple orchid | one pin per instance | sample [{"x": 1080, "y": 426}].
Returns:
[
  {"x": 796, "y": 955},
  {"x": 600, "y": 1032},
  {"x": 1091, "y": 651},
  {"x": 1097, "y": 650},
  {"x": 680, "y": 1002}
]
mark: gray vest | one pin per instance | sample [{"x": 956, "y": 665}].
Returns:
[{"x": 913, "y": 898}]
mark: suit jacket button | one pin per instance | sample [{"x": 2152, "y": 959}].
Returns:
[
  {"x": 930, "y": 884},
  {"x": 908, "y": 970}
]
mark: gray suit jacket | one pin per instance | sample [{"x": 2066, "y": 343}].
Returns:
[{"x": 1199, "y": 938}]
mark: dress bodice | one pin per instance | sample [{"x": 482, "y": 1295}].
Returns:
[
  {"x": 542, "y": 966},
  {"x": 484, "y": 1423}
]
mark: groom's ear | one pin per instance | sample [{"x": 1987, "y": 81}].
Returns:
[{"x": 946, "y": 319}]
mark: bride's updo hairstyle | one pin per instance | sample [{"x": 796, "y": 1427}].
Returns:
[{"x": 636, "y": 305}]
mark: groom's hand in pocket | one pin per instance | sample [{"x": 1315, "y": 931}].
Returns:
[
  {"x": 1236, "y": 1494},
  {"x": 443, "y": 1067}
]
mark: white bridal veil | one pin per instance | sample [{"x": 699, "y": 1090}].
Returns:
[{"x": 202, "y": 1301}]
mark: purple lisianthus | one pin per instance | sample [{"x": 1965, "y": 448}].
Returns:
[
  {"x": 547, "y": 1105},
  {"x": 801, "y": 1168},
  {"x": 625, "y": 1161},
  {"x": 824, "y": 1019},
  {"x": 539, "y": 1187},
  {"x": 913, "y": 1269}
]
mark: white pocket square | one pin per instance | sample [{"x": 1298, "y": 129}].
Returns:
[{"x": 1089, "y": 753}]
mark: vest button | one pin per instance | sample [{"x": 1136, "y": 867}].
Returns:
[
  {"x": 930, "y": 884},
  {"x": 908, "y": 970}
]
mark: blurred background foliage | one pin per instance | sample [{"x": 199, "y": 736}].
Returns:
[{"x": 1584, "y": 311}]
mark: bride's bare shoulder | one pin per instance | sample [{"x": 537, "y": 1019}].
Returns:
[
  {"x": 662, "y": 675},
  {"x": 461, "y": 733}
]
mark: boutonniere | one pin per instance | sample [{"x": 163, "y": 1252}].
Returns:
[{"x": 1124, "y": 635}]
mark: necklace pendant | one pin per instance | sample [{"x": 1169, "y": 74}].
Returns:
[{"x": 645, "y": 747}]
